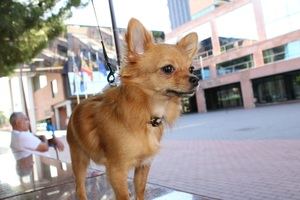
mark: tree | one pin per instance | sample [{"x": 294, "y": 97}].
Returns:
[{"x": 27, "y": 26}]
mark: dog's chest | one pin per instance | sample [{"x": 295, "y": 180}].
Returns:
[
  {"x": 152, "y": 145},
  {"x": 159, "y": 109},
  {"x": 154, "y": 134}
]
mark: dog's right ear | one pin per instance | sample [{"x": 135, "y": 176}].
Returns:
[
  {"x": 189, "y": 44},
  {"x": 138, "y": 39}
]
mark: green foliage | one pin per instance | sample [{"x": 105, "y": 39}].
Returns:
[{"x": 27, "y": 26}]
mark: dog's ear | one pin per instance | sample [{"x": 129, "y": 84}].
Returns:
[
  {"x": 138, "y": 39},
  {"x": 189, "y": 44}
]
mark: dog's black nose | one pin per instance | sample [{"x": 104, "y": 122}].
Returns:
[{"x": 194, "y": 81}]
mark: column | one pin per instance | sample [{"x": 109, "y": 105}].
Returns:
[
  {"x": 247, "y": 93},
  {"x": 200, "y": 97},
  {"x": 216, "y": 47},
  {"x": 215, "y": 38},
  {"x": 259, "y": 19},
  {"x": 57, "y": 119},
  {"x": 30, "y": 103},
  {"x": 68, "y": 108},
  {"x": 258, "y": 58}
]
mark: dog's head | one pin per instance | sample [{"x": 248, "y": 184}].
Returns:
[{"x": 160, "y": 68}]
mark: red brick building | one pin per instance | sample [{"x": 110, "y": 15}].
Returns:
[{"x": 249, "y": 53}]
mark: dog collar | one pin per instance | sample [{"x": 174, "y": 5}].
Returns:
[{"x": 156, "y": 121}]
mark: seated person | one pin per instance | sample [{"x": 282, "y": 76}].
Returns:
[{"x": 22, "y": 139}]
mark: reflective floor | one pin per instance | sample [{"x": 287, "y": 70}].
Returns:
[{"x": 26, "y": 176}]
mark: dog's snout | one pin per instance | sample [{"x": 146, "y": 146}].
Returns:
[{"x": 194, "y": 81}]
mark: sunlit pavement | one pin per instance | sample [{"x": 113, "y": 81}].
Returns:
[{"x": 233, "y": 154}]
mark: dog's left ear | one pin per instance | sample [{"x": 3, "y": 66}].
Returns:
[
  {"x": 189, "y": 44},
  {"x": 138, "y": 39}
]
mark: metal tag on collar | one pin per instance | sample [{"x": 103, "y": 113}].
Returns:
[{"x": 156, "y": 121}]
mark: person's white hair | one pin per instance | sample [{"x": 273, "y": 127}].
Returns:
[{"x": 14, "y": 116}]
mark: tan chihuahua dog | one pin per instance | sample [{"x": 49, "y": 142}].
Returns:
[{"x": 122, "y": 127}]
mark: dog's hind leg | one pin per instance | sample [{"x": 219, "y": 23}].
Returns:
[
  {"x": 80, "y": 163},
  {"x": 118, "y": 179},
  {"x": 140, "y": 180}
]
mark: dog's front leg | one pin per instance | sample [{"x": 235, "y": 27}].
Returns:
[
  {"x": 140, "y": 180},
  {"x": 118, "y": 180}
]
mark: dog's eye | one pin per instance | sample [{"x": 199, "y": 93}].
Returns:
[
  {"x": 191, "y": 69},
  {"x": 168, "y": 69}
]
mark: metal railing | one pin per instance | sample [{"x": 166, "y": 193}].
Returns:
[
  {"x": 234, "y": 68},
  {"x": 205, "y": 54},
  {"x": 232, "y": 45},
  {"x": 274, "y": 57}
]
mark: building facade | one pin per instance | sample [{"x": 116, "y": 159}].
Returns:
[
  {"x": 68, "y": 71},
  {"x": 249, "y": 54}
]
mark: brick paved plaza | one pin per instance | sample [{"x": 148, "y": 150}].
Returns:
[
  {"x": 232, "y": 155},
  {"x": 235, "y": 154}
]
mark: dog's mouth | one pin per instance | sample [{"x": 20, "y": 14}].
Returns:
[{"x": 190, "y": 93}]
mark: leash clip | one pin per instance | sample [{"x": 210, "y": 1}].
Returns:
[{"x": 156, "y": 121}]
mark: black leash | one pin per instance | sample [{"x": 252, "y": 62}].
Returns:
[{"x": 110, "y": 77}]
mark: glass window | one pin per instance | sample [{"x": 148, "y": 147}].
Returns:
[
  {"x": 274, "y": 54},
  {"x": 270, "y": 89},
  {"x": 235, "y": 65},
  {"x": 203, "y": 73},
  {"x": 62, "y": 50},
  {"x": 292, "y": 49},
  {"x": 226, "y": 96},
  {"x": 93, "y": 56},
  {"x": 229, "y": 97},
  {"x": 36, "y": 83},
  {"x": 296, "y": 86},
  {"x": 54, "y": 88},
  {"x": 283, "y": 52},
  {"x": 43, "y": 81},
  {"x": 277, "y": 88},
  {"x": 281, "y": 16},
  {"x": 206, "y": 73},
  {"x": 237, "y": 28}
]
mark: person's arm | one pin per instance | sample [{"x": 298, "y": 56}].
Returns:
[
  {"x": 53, "y": 142},
  {"x": 56, "y": 143},
  {"x": 43, "y": 146}
]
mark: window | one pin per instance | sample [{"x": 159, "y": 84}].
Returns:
[
  {"x": 271, "y": 89},
  {"x": 274, "y": 54},
  {"x": 283, "y": 52},
  {"x": 281, "y": 16},
  {"x": 237, "y": 28},
  {"x": 39, "y": 82},
  {"x": 296, "y": 85},
  {"x": 203, "y": 73},
  {"x": 93, "y": 56},
  {"x": 226, "y": 96},
  {"x": 36, "y": 83},
  {"x": 277, "y": 88},
  {"x": 54, "y": 88},
  {"x": 62, "y": 50},
  {"x": 205, "y": 48},
  {"x": 235, "y": 65},
  {"x": 42, "y": 81}
]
